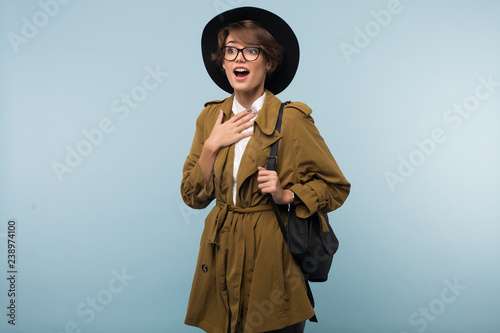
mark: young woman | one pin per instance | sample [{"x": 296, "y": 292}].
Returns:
[{"x": 246, "y": 279}]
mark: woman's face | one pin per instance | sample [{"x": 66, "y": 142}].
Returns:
[{"x": 243, "y": 75}]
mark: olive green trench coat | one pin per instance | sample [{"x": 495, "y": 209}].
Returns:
[{"x": 245, "y": 276}]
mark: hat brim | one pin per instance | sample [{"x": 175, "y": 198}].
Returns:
[{"x": 274, "y": 24}]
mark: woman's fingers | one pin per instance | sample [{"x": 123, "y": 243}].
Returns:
[
  {"x": 244, "y": 126},
  {"x": 226, "y": 133},
  {"x": 242, "y": 118},
  {"x": 268, "y": 180},
  {"x": 239, "y": 116},
  {"x": 269, "y": 184},
  {"x": 243, "y": 135},
  {"x": 241, "y": 122}
]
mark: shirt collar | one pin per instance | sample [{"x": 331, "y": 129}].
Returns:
[{"x": 256, "y": 106}]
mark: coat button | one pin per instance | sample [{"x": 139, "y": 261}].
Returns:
[{"x": 204, "y": 268}]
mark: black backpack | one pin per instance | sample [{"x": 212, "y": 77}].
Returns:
[{"x": 311, "y": 248}]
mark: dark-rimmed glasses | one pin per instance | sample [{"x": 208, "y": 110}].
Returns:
[{"x": 250, "y": 53}]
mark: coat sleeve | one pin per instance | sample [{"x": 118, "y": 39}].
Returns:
[
  {"x": 195, "y": 192},
  {"x": 318, "y": 181}
]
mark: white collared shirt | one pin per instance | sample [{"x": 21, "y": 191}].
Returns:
[{"x": 239, "y": 147}]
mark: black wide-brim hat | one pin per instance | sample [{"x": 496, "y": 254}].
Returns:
[{"x": 274, "y": 24}]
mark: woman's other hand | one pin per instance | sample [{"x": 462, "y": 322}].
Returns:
[{"x": 269, "y": 183}]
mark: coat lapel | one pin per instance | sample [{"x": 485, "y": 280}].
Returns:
[{"x": 264, "y": 136}]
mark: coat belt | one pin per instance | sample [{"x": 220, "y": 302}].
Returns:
[{"x": 221, "y": 217}]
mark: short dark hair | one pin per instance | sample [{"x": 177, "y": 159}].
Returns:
[{"x": 252, "y": 33}]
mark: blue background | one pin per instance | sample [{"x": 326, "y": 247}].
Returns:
[{"x": 418, "y": 254}]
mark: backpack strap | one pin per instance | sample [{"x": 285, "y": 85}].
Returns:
[{"x": 271, "y": 165}]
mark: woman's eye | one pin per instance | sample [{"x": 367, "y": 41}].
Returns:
[
  {"x": 253, "y": 50},
  {"x": 230, "y": 50}
]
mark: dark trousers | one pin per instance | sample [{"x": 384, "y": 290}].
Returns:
[{"x": 297, "y": 328}]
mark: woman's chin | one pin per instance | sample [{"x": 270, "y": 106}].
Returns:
[{"x": 246, "y": 87}]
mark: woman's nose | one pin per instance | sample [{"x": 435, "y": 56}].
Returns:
[{"x": 240, "y": 56}]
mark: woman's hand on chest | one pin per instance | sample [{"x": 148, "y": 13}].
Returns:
[{"x": 226, "y": 133}]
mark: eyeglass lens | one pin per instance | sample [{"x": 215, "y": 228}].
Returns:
[{"x": 249, "y": 53}]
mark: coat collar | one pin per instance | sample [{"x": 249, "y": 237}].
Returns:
[{"x": 268, "y": 115}]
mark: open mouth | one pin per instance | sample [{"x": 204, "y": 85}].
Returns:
[{"x": 241, "y": 72}]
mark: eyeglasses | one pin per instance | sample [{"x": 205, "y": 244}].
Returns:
[{"x": 250, "y": 53}]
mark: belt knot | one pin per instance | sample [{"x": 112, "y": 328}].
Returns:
[{"x": 222, "y": 215}]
